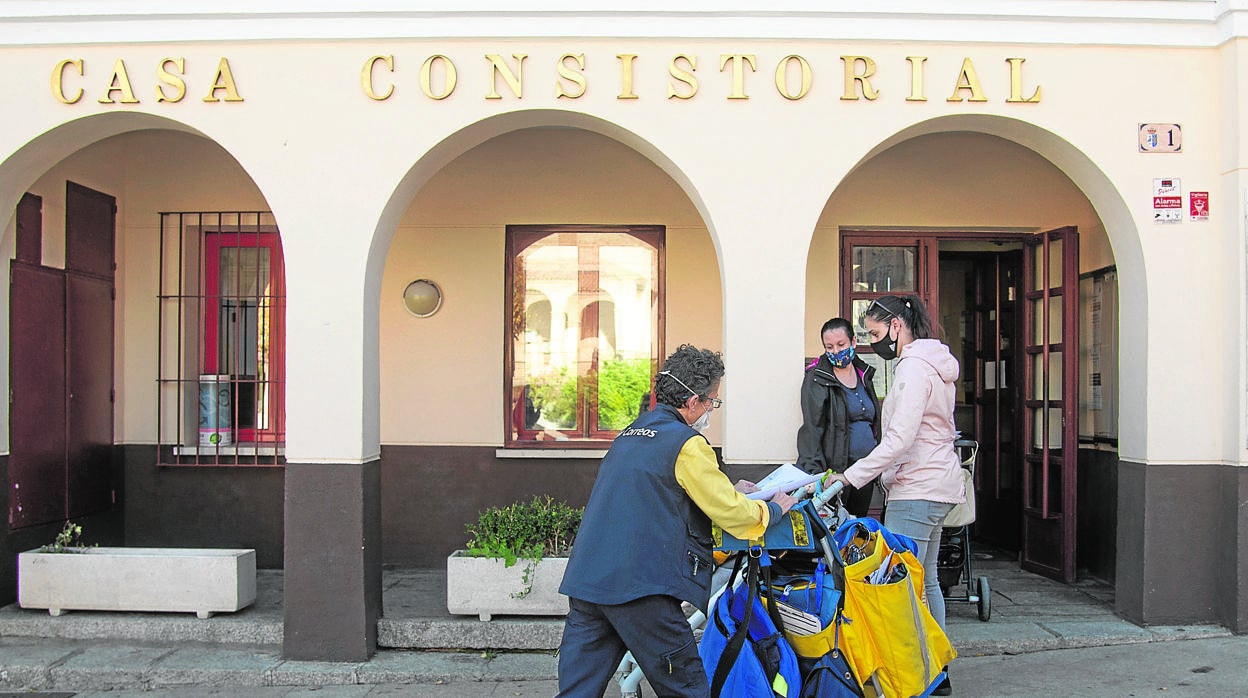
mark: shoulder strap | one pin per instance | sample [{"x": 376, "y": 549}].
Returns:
[{"x": 733, "y": 649}]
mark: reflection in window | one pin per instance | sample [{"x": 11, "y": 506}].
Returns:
[{"x": 584, "y": 346}]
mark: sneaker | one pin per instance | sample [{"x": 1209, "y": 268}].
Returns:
[{"x": 945, "y": 688}]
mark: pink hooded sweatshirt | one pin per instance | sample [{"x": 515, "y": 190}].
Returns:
[{"x": 916, "y": 458}]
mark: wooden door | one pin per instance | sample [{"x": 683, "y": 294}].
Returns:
[
  {"x": 37, "y": 482},
  {"x": 90, "y": 220},
  {"x": 1050, "y": 402}
]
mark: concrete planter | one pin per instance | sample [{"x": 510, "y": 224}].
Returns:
[
  {"x": 484, "y": 586},
  {"x": 191, "y": 580}
]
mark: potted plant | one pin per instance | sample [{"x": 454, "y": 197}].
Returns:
[
  {"x": 514, "y": 560},
  {"x": 66, "y": 575}
]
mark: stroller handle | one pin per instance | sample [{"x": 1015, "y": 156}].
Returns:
[{"x": 826, "y": 496}]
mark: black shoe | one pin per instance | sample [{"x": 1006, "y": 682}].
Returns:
[{"x": 945, "y": 688}]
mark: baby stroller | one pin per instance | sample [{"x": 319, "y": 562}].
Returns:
[{"x": 953, "y": 565}]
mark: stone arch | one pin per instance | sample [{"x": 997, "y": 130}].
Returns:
[{"x": 1120, "y": 227}]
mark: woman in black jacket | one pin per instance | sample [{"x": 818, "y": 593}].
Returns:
[{"x": 840, "y": 411}]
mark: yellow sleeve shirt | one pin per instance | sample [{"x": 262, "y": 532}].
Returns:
[{"x": 698, "y": 473}]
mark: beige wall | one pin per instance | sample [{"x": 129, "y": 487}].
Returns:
[
  {"x": 947, "y": 181},
  {"x": 442, "y": 377},
  {"x": 761, "y": 174}
]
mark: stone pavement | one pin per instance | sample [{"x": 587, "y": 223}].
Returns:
[{"x": 425, "y": 651}]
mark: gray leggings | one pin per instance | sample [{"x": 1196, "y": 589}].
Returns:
[{"x": 921, "y": 520}]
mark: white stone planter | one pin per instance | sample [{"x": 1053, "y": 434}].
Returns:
[
  {"x": 193, "y": 580},
  {"x": 484, "y": 587}
]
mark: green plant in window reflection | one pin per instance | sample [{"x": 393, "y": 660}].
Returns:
[
  {"x": 554, "y": 394},
  {"x": 621, "y": 384}
]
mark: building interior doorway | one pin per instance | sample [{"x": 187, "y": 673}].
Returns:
[{"x": 1006, "y": 303}]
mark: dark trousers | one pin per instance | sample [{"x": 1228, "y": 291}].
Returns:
[{"x": 653, "y": 628}]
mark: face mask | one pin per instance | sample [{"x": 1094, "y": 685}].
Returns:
[
  {"x": 886, "y": 348},
  {"x": 842, "y": 358},
  {"x": 702, "y": 423}
]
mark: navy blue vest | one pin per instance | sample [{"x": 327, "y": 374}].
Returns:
[{"x": 642, "y": 535}]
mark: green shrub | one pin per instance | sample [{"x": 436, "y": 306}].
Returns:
[{"x": 542, "y": 527}]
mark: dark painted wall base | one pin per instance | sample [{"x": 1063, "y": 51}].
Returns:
[
  {"x": 332, "y": 593},
  {"x": 1095, "y": 549},
  {"x": 1183, "y": 545},
  {"x": 203, "y": 506},
  {"x": 429, "y": 493}
]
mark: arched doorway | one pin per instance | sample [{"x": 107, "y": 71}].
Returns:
[
  {"x": 137, "y": 168},
  {"x": 617, "y": 231},
  {"x": 960, "y": 211}
]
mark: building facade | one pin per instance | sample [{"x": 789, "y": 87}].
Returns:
[{"x": 325, "y": 282}]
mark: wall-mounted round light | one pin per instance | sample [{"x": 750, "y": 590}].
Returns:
[{"x": 422, "y": 298}]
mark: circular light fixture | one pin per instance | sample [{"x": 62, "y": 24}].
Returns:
[{"x": 422, "y": 298}]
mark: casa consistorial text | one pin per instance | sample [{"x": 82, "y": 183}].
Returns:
[{"x": 629, "y": 76}]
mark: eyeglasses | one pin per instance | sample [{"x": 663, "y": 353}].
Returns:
[{"x": 715, "y": 402}]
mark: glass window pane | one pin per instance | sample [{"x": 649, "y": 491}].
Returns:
[
  {"x": 1035, "y": 334},
  {"x": 1037, "y": 376},
  {"x": 1037, "y": 268},
  {"x": 860, "y": 331},
  {"x": 884, "y": 269},
  {"x": 1055, "y": 432},
  {"x": 1055, "y": 376},
  {"x": 1055, "y": 263},
  {"x": 585, "y": 334},
  {"x": 1055, "y": 319},
  {"x": 626, "y": 321},
  {"x": 545, "y": 354}
]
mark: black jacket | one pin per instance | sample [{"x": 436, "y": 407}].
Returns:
[{"x": 823, "y": 440}]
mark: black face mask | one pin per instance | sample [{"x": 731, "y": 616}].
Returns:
[{"x": 886, "y": 348}]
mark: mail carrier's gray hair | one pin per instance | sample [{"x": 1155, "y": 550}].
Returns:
[{"x": 688, "y": 371}]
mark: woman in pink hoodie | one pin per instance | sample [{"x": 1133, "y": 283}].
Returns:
[{"x": 916, "y": 462}]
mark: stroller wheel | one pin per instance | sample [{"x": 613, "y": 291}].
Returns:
[{"x": 985, "y": 599}]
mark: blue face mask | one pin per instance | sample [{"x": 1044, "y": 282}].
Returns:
[{"x": 842, "y": 358}]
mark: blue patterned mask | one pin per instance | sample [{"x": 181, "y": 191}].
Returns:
[{"x": 842, "y": 358}]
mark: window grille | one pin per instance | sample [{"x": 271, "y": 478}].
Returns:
[{"x": 221, "y": 333}]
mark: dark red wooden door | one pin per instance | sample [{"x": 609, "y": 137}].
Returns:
[
  {"x": 30, "y": 229},
  {"x": 89, "y": 379},
  {"x": 90, "y": 220},
  {"x": 89, "y": 230},
  {"x": 1050, "y": 402},
  {"x": 37, "y": 422}
]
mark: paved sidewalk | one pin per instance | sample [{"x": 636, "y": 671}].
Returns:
[{"x": 426, "y": 651}]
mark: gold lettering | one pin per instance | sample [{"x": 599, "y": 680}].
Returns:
[
  {"x": 120, "y": 82},
  {"x": 1016, "y": 83},
  {"x": 567, "y": 73},
  {"x": 449, "y": 77},
  {"x": 58, "y": 81},
  {"x": 514, "y": 80},
  {"x": 853, "y": 78},
  {"x": 626, "y": 76},
  {"x": 223, "y": 80},
  {"x": 916, "y": 79},
  {"x": 684, "y": 76},
  {"x": 782, "y": 77},
  {"x": 366, "y": 77},
  {"x": 967, "y": 80},
  {"x": 173, "y": 80},
  {"x": 738, "y": 60}
]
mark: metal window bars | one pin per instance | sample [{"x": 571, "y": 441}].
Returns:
[{"x": 221, "y": 339}]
